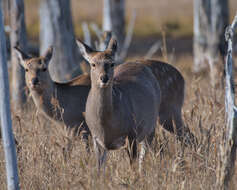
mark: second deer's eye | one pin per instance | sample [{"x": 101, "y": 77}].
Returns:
[
  {"x": 93, "y": 64},
  {"x": 44, "y": 69},
  {"x": 26, "y": 70}
]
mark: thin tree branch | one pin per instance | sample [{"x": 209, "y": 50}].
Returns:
[
  {"x": 153, "y": 49},
  {"x": 128, "y": 38},
  {"x": 86, "y": 33}
]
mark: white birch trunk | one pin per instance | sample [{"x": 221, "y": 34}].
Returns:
[
  {"x": 228, "y": 149},
  {"x": 46, "y": 30},
  {"x": 5, "y": 116},
  {"x": 18, "y": 37},
  {"x": 114, "y": 20},
  {"x": 210, "y": 21},
  {"x": 66, "y": 59}
]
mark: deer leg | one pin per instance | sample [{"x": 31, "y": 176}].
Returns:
[
  {"x": 101, "y": 155},
  {"x": 132, "y": 150},
  {"x": 166, "y": 121},
  {"x": 183, "y": 132},
  {"x": 150, "y": 138},
  {"x": 142, "y": 154}
]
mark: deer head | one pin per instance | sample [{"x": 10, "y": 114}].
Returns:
[
  {"x": 101, "y": 62},
  {"x": 36, "y": 69}
]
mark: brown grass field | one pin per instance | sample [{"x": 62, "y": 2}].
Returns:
[{"x": 45, "y": 163}]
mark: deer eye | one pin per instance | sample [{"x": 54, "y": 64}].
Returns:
[
  {"x": 93, "y": 64},
  {"x": 112, "y": 65},
  {"x": 44, "y": 69},
  {"x": 26, "y": 70}
]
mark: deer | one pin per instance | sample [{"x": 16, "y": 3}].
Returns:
[
  {"x": 61, "y": 103},
  {"x": 122, "y": 105},
  {"x": 172, "y": 85}
]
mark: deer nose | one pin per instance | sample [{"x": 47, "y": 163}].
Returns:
[
  {"x": 104, "y": 78},
  {"x": 35, "y": 81}
]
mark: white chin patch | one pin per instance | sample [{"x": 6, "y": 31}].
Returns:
[{"x": 103, "y": 85}]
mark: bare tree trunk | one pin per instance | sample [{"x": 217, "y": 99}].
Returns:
[
  {"x": 5, "y": 116},
  {"x": 46, "y": 30},
  {"x": 59, "y": 32},
  {"x": 226, "y": 166},
  {"x": 210, "y": 20},
  {"x": 114, "y": 20},
  {"x": 18, "y": 37}
]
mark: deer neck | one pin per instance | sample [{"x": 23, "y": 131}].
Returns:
[
  {"x": 103, "y": 102},
  {"x": 44, "y": 98}
]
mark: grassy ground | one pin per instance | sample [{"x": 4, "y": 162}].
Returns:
[{"x": 44, "y": 162}]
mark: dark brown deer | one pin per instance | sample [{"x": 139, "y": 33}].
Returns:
[
  {"x": 123, "y": 103},
  {"x": 172, "y": 87},
  {"x": 61, "y": 103}
]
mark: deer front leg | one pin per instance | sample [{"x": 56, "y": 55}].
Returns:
[
  {"x": 141, "y": 155},
  {"x": 101, "y": 155}
]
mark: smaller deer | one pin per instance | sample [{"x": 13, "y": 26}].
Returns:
[
  {"x": 61, "y": 103},
  {"x": 123, "y": 103}
]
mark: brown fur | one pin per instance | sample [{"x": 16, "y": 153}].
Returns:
[
  {"x": 123, "y": 103},
  {"x": 62, "y": 103}
]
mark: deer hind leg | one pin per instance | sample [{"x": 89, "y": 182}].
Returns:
[
  {"x": 132, "y": 150},
  {"x": 142, "y": 152},
  {"x": 144, "y": 145},
  {"x": 183, "y": 132},
  {"x": 101, "y": 155},
  {"x": 184, "y": 135}
]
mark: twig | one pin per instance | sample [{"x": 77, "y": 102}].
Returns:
[
  {"x": 96, "y": 29},
  {"x": 153, "y": 49},
  {"x": 128, "y": 38},
  {"x": 86, "y": 33}
]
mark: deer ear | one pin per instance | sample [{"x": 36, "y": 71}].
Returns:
[
  {"x": 48, "y": 55},
  {"x": 112, "y": 46},
  {"x": 85, "y": 50},
  {"x": 21, "y": 56}
]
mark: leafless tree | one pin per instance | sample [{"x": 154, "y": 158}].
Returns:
[
  {"x": 5, "y": 116},
  {"x": 114, "y": 19},
  {"x": 210, "y": 20},
  {"x": 18, "y": 37},
  {"x": 57, "y": 29},
  {"x": 229, "y": 146}
]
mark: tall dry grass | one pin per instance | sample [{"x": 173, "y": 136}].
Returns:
[{"x": 46, "y": 162}]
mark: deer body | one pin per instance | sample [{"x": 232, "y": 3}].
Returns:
[
  {"x": 172, "y": 87},
  {"x": 122, "y": 103},
  {"x": 128, "y": 109},
  {"x": 62, "y": 103}
]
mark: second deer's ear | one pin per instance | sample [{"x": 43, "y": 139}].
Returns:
[
  {"x": 21, "y": 55},
  {"x": 112, "y": 46},
  {"x": 85, "y": 50},
  {"x": 48, "y": 55}
]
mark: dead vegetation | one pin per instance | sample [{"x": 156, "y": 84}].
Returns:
[{"x": 45, "y": 162}]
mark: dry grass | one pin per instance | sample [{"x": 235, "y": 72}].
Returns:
[{"x": 45, "y": 163}]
